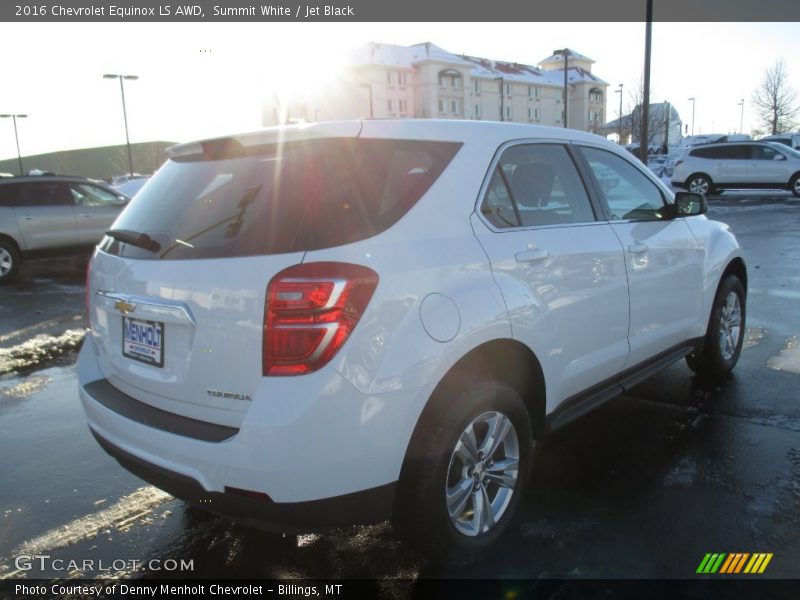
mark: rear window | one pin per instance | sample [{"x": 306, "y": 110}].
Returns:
[
  {"x": 292, "y": 197},
  {"x": 728, "y": 152}
]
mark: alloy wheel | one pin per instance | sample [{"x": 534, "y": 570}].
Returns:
[
  {"x": 730, "y": 325},
  {"x": 482, "y": 474}
]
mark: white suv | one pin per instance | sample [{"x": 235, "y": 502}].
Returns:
[
  {"x": 738, "y": 165},
  {"x": 340, "y": 323}
]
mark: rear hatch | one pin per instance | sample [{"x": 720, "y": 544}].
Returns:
[{"x": 178, "y": 285}]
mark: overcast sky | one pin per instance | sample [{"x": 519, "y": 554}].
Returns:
[{"x": 204, "y": 79}]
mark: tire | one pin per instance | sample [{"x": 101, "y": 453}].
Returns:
[
  {"x": 794, "y": 185},
  {"x": 699, "y": 183},
  {"x": 725, "y": 334},
  {"x": 459, "y": 490},
  {"x": 9, "y": 261}
]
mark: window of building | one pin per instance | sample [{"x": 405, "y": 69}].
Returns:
[
  {"x": 559, "y": 95},
  {"x": 476, "y": 86},
  {"x": 389, "y": 77},
  {"x": 536, "y": 114},
  {"x": 451, "y": 79},
  {"x": 508, "y": 112},
  {"x": 401, "y": 106},
  {"x": 508, "y": 89},
  {"x": 441, "y": 106},
  {"x": 533, "y": 185},
  {"x": 530, "y": 113},
  {"x": 536, "y": 92},
  {"x": 477, "y": 111},
  {"x": 389, "y": 104},
  {"x": 455, "y": 107},
  {"x": 401, "y": 79}
]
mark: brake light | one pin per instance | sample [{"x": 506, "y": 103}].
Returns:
[
  {"x": 309, "y": 313},
  {"x": 87, "y": 297}
]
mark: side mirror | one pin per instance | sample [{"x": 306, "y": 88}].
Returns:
[
  {"x": 690, "y": 204},
  {"x": 779, "y": 157}
]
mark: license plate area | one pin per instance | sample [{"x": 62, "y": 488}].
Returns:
[{"x": 143, "y": 341}]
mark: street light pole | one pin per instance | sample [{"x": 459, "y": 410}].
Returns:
[
  {"x": 124, "y": 113},
  {"x": 692, "y": 99},
  {"x": 566, "y": 52},
  {"x": 16, "y": 137},
  {"x": 619, "y": 91},
  {"x": 741, "y": 117},
  {"x": 644, "y": 138}
]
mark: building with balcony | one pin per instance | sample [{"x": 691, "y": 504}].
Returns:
[{"x": 426, "y": 81}]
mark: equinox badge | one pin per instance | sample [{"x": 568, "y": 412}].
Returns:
[{"x": 221, "y": 394}]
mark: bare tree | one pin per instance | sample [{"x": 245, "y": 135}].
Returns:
[
  {"x": 776, "y": 100},
  {"x": 656, "y": 125}
]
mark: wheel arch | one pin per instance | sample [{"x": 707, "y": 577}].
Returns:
[
  {"x": 699, "y": 174},
  {"x": 735, "y": 267},
  {"x": 507, "y": 360},
  {"x": 7, "y": 238}
]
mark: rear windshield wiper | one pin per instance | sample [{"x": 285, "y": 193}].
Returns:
[{"x": 134, "y": 238}]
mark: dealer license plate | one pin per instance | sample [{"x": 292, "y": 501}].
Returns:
[{"x": 143, "y": 341}]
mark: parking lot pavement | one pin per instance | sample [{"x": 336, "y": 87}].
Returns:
[{"x": 642, "y": 487}]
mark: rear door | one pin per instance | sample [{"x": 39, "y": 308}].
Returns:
[
  {"x": 560, "y": 269},
  {"x": 662, "y": 258},
  {"x": 45, "y": 213}
]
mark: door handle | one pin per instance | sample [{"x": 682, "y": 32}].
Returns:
[
  {"x": 26, "y": 218},
  {"x": 86, "y": 215},
  {"x": 532, "y": 255},
  {"x": 637, "y": 248}
]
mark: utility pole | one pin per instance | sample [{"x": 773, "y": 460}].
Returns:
[
  {"x": 619, "y": 91},
  {"x": 643, "y": 141}
]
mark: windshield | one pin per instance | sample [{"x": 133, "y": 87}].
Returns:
[{"x": 294, "y": 197}]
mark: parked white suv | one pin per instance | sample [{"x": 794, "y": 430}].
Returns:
[
  {"x": 340, "y": 323},
  {"x": 738, "y": 165}
]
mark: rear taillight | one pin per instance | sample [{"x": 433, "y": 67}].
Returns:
[
  {"x": 87, "y": 297},
  {"x": 310, "y": 311}
]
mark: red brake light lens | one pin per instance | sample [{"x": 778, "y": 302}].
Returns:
[{"x": 310, "y": 311}]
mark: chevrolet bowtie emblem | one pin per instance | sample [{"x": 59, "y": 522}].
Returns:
[{"x": 124, "y": 307}]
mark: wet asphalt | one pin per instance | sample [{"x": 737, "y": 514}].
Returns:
[{"x": 643, "y": 487}]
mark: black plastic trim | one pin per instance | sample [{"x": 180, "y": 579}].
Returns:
[
  {"x": 578, "y": 405},
  {"x": 121, "y": 403},
  {"x": 359, "y": 508}
]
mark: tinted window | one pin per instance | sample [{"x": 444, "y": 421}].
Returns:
[
  {"x": 628, "y": 193},
  {"x": 9, "y": 194},
  {"x": 43, "y": 193},
  {"x": 727, "y": 152},
  {"x": 275, "y": 199},
  {"x": 764, "y": 153},
  {"x": 536, "y": 184}
]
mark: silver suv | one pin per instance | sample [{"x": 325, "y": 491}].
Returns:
[
  {"x": 45, "y": 214},
  {"x": 739, "y": 165}
]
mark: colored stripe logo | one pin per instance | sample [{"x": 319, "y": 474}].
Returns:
[{"x": 735, "y": 563}]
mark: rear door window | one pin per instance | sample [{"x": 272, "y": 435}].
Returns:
[
  {"x": 536, "y": 184},
  {"x": 281, "y": 198}
]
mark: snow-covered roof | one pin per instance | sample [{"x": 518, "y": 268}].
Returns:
[
  {"x": 559, "y": 58},
  {"x": 406, "y": 57},
  {"x": 391, "y": 55}
]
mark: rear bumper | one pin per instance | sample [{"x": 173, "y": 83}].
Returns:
[
  {"x": 302, "y": 440},
  {"x": 365, "y": 507}
]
